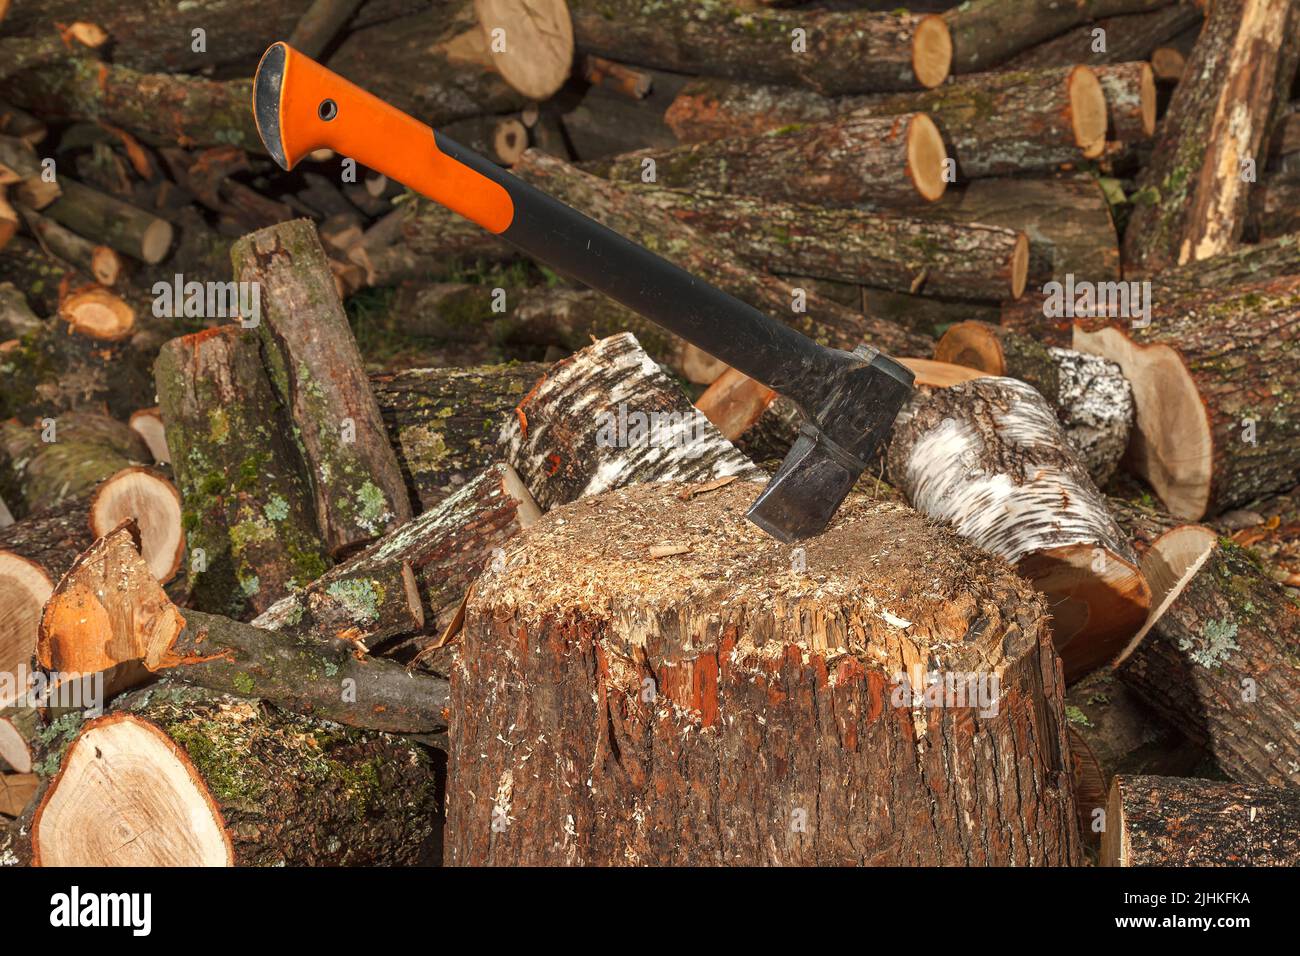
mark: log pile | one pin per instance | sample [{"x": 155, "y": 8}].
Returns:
[{"x": 385, "y": 544}]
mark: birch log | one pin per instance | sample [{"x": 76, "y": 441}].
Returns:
[
  {"x": 607, "y": 417},
  {"x": 989, "y": 458}
]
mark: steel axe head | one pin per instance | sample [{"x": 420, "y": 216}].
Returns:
[{"x": 854, "y": 401}]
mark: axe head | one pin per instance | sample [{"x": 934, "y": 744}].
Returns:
[{"x": 852, "y": 411}]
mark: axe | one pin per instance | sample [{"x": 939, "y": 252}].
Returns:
[{"x": 848, "y": 400}]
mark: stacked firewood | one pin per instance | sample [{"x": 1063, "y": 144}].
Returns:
[{"x": 365, "y": 540}]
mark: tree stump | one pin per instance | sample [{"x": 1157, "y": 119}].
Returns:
[{"x": 648, "y": 679}]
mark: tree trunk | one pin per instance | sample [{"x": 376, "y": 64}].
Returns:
[
  {"x": 204, "y": 780},
  {"x": 986, "y": 33},
  {"x": 707, "y": 708},
  {"x": 854, "y": 158},
  {"x": 1167, "y": 821},
  {"x": 999, "y": 351},
  {"x": 855, "y": 245},
  {"x": 97, "y": 261},
  {"x": 1218, "y": 658},
  {"x": 247, "y": 504},
  {"x": 989, "y": 457},
  {"x": 607, "y": 417},
  {"x": 317, "y": 374},
  {"x": 1211, "y": 434},
  {"x": 1192, "y": 201},
  {"x": 712, "y": 258},
  {"x": 443, "y": 423},
  {"x": 116, "y": 224},
  {"x": 108, "y": 613},
  {"x": 846, "y": 52}
]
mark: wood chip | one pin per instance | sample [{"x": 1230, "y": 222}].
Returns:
[
  {"x": 668, "y": 550},
  {"x": 686, "y": 494}
]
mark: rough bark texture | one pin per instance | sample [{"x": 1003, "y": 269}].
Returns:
[
  {"x": 855, "y": 245},
  {"x": 84, "y": 449},
  {"x": 1095, "y": 407},
  {"x": 717, "y": 707},
  {"x": 606, "y": 417},
  {"x": 711, "y": 258},
  {"x": 853, "y": 158},
  {"x": 1222, "y": 664},
  {"x": 51, "y": 538},
  {"x": 283, "y": 790},
  {"x": 1000, "y": 351},
  {"x": 1273, "y": 208},
  {"x": 317, "y": 373},
  {"x": 989, "y": 457},
  {"x": 986, "y": 33},
  {"x": 1233, "y": 354},
  {"x": 1192, "y": 201},
  {"x": 247, "y": 505},
  {"x": 163, "y": 108},
  {"x": 1133, "y": 36},
  {"x": 1130, "y": 100},
  {"x": 444, "y": 422},
  {"x": 108, "y": 220},
  {"x": 1167, "y": 821},
  {"x": 847, "y": 52}
]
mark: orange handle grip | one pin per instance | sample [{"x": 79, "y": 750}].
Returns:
[{"x": 301, "y": 106}]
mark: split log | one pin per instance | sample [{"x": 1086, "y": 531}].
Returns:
[
  {"x": 162, "y": 108},
  {"x": 987, "y": 33},
  {"x": 442, "y": 551},
  {"x": 607, "y": 417},
  {"x": 462, "y": 69},
  {"x": 317, "y": 374},
  {"x": 1217, "y": 406},
  {"x": 204, "y": 780},
  {"x": 1192, "y": 198},
  {"x": 148, "y": 424},
  {"x": 114, "y": 223},
  {"x": 569, "y": 318},
  {"x": 108, "y": 613},
  {"x": 55, "y": 462},
  {"x": 734, "y": 403},
  {"x": 1219, "y": 657},
  {"x": 21, "y": 168},
  {"x": 248, "y": 507},
  {"x": 988, "y": 456},
  {"x": 1167, "y": 821},
  {"x": 845, "y": 52},
  {"x": 859, "y": 246},
  {"x": 712, "y": 257},
  {"x": 1130, "y": 90},
  {"x": 1129, "y": 37},
  {"x": 1112, "y": 732},
  {"x": 16, "y": 792},
  {"x": 444, "y": 422},
  {"x": 690, "y": 665},
  {"x": 857, "y": 157}
]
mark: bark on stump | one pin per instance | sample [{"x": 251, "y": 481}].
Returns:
[
  {"x": 1168, "y": 821},
  {"x": 176, "y": 777},
  {"x": 719, "y": 705}
]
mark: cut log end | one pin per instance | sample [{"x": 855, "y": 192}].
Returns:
[
  {"x": 1172, "y": 445},
  {"x": 1148, "y": 93},
  {"x": 99, "y": 314},
  {"x": 973, "y": 345},
  {"x": 162, "y": 813},
  {"x": 538, "y": 53},
  {"x": 509, "y": 140},
  {"x": 156, "y": 241},
  {"x": 105, "y": 265},
  {"x": 155, "y": 505},
  {"x": 1087, "y": 111},
  {"x": 24, "y": 588},
  {"x": 1169, "y": 564},
  {"x": 1167, "y": 64},
  {"x": 925, "y": 157},
  {"x": 931, "y": 51},
  {"x": 14, "y": 747},
  {"x": 148, "y": 424},
  {"x": 1020, "y": 266}
]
